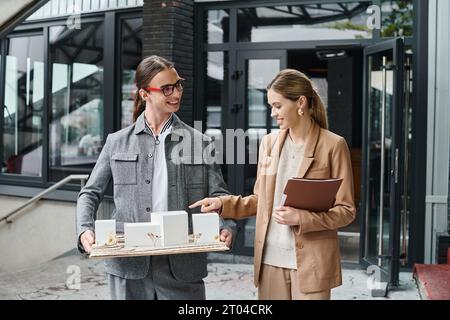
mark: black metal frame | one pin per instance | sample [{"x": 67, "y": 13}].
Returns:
[
  {"x": 75, "y": 170},
  {"x": 396, "y": 45},
  {"x": 118, "y": 74},
  {"x": 239, "y": 121},
  {"x": 419, "y": 127},
  {"x": 23, "y": 185},
  {"x": 109, "y": 79},
  {"x": 233, "y": 47},
  {"x": 28, "y": 180},
  {"x": 419, "y": 42},
  {"x": 239, "y": 85}
]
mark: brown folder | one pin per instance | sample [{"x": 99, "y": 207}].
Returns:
[{"x": 316, "y": 195}]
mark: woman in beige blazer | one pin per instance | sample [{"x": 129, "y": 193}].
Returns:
[{"x": 296, "y": 251}]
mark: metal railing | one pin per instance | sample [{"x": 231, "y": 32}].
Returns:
[{"x": 8, "y": 218}]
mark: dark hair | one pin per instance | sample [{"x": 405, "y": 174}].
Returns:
[
  {"x": 145, "y": 72},
  {"x": 293, "y": 84}
]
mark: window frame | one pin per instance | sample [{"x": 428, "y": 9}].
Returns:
[
  {"x": 11, "y": 178},
  {"x": 118, "y": 75},
  {"x": 16, "y": 185}
]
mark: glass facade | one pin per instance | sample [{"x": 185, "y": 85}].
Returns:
[
  {"x": 131, "y": 55},
  {"x": 76, "y": 125},
  {"x": 377, "y": 229},
  {"x": 218, "y": 25},
  {"x": 304, "y": 22},
  {"x": 23, "y": 106},
  {"x": 259, "y": 73},
  {"x": 56, "y": 127},
  {"x": 216, "y": 88},
  {"x": 326, "y": 40},
  {"x": 216, "y": 97}
]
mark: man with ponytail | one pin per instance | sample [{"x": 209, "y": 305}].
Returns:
[
  {"x": 147, "y": 178},
  {"x": 296, "y": 251}
]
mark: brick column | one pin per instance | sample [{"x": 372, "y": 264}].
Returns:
[{"x": 168, "y": 31}]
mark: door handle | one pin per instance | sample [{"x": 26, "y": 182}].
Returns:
[
  {"x": 396, "y": 166},
  {"x": 394, "y": 171},
  {"x": 383, "y": 156}
]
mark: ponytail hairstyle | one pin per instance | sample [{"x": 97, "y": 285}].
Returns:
[
  {"x": 145, "y": 72},
  {"x": 293, "y": 84}
]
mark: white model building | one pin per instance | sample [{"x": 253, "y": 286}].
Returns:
[
  {"x": 206, "y": 227},
  {"x": 170, "y": 228},
  {"x": 104, "y": 230},
  {"x": 174, "y": 227},
  {"x": 142, "y": 234}
]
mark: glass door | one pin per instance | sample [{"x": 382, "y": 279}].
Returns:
[
  {"x": 383, "y": 109},
  {"x": 251, "y": 114},
  {"x": 76, "y": 129}
]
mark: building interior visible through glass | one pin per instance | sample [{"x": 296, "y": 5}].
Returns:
[
  {"x": 76, "y": 126},
  {"x": 310, "y": 22},
  {"x": 337, "y": 75},
  {"x": 23, "y": 106}
]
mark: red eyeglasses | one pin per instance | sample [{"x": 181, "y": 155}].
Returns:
[{"x": 168, "y": 89}]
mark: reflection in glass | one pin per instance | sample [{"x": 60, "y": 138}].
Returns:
[
  {"x": 304, "y": 22},
  {"x": 131, "y": 55},
  {"x": 217, "y": 24},
  {"x": 259, "y": 74},
  {"x": 321, "y": 86},
  {"x": 23, "y": 107},
  {"x": 216, "y": 89},
  {"x": 216, "y": 100},
  {"x": 397, "y": 18},
  {"x": 76, "y": 126}
]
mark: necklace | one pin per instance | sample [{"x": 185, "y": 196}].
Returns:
[{"x": 295, "y": 148}]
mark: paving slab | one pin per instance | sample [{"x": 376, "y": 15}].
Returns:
[{"x": 73, "y": 277}]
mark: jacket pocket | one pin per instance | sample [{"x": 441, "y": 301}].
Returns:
[
  {"x": 124, "y": 168},
  {"x": 195, "y": 175},
  {"x": 326, "y": 258}
]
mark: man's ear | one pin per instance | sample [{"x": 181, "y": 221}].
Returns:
[{"x": 143, "y": 94}]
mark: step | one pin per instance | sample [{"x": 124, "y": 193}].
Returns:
[{"x": 433, "y": 281}]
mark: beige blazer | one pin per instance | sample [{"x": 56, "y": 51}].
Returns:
[{"x": 317, "y": 248}]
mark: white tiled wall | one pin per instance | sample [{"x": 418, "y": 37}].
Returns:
[{"x": 57, "y": 8}]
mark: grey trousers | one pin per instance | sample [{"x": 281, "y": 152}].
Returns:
[{"x": 159, "y": 284}]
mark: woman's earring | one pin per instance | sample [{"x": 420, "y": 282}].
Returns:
[{"x": 300, "y": 112}]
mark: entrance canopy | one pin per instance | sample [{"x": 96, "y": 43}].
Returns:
[{"x": 12, "y": 12}]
